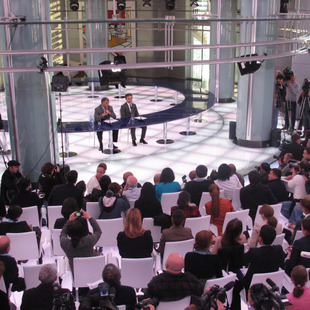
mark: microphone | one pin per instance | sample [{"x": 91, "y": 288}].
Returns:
[
  {"x": 229, "y": 286},
  {"x": 274, "y": 286}
]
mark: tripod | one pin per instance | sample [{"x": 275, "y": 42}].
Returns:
[
  {"x": 59, "y": 123},
  {"x": 304, "y": 112}
]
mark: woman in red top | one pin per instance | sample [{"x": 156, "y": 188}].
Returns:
[
  {"x": 218, "y": 207},
  {"x": 183, "y": 203}
]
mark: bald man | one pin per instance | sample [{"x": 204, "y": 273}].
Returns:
[
  {"x": 131, "y": 191},
  {"x": 173, "y": 284}
]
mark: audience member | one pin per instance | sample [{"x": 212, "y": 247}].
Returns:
[
  {"x": 276, "y": 185},
  {"x": 4, "y": 299},
  {"x": 104, "y": 183},
  {"x": 295, "y": 147},
  {"x": 234, "y": 171},
  {"x": 82, "y": 186},
  {"x": 134, "y": 241},
  {"x": 124, "y": 295},
  {"x": 156, "y": 179},
  {"x": 183, "y": 203},
  {"x": 201, "y": 262},
  {"x": 199, "y": 184},
  {"x": 42, "y": 296},
  {"x": 255, "y": 194},
  {"x": 60, "y": 192},
  {"x": 93, "y": 182},
  {"x": 299, "y": 299},
  {"x": 167, "y": 183},
  {"x": 125, "y": 176},
  {"x": 192, "y": 175},
  {"x": 9, "y": 182},
  {"x": 218, "y": 207},
  {"x": 264, "y": 170},
  {"x": 306, "y": 154},
  {"x": 75, "y": 242},
  {"x": 284, "y": 164},
  {"x": 131, "y": 191},
  {"x": 177, "y": 232},
  {"x": 113, "y": 203}
]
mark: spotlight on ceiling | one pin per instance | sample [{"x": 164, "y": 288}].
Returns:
[
  {"x": 170, "y": 4},
  {"x": 74, "y": 5},
  {"x": 194, "y": 4},
  {"x": 121, "y": 5},
  {"x": 146, "y": 3},
  {"x": 43, "y": 64}
]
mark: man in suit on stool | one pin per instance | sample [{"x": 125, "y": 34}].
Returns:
[
  {"x": 129, "y": 109},
  {"x": 103, "y": 112}
]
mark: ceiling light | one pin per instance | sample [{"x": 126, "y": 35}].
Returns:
[
  {"x": 121, "y": 5},
  {"x": 170, "y": 4},
  {"x": 194, "y": 3},
  {"x": 74, "y": 5},
  {"x": 146, "y": 3}
]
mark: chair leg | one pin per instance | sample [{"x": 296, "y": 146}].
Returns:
[{"x": 76, "y": 294}]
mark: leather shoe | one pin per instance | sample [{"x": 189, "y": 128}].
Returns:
[
  {"x": 114, "y": 147},
  {"x": 143, "y": 141},
  {"x": 100, "y": 148},
  {"x": 134, "y": 143},
  {"x": 123, "y": 85}
]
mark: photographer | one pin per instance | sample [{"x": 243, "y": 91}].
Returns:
[
  {"x": 279, "y": 99},
  {"x": 304, "y": 103},
  {"x": 292, "y": 90},
  {"x": 110, "y": 293},
  {"x": 284, "y": 164}
]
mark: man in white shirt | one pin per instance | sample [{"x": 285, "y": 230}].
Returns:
[{"x": 131, "y": 191}]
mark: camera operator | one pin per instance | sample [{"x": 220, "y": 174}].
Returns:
[
  {"x": 279, "y": 99},
  {"x": 284, "y": 164},
  {"x": 110, "y": 293},
  {"x": 292, "y": 90},
  {"x": 305, "y": 104},
  {"x": 294, "y": 147}
]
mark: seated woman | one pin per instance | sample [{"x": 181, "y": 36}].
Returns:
[
  {"x": 166, "y": 183},
  {"x": 94, "y": 180},
  {"x": 104, "y": 183},
  {"x": 68, "y": 207},
  {"x": 266, "y": 212},
  {"x": 300, "y": 297},
  {"x": 134, "y": 241},
  {"x": 201, "y": 262},
  {"x": 113, "y": 203},
  {"x": 217, "y": 207},
  {"x": 73, "y": 239},
  {"x": 232, "y": 236},
  {"x": 184, "y": 204}
]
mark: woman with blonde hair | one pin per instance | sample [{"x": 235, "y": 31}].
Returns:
[
  {"x": 217, "y": 208},
  {"x": 267, "y": 214},
  {"x": 134, "y": 241}
]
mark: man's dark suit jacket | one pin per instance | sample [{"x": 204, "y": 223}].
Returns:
[
  {"x": 196, "y": 188},
  {"x": 17, "y": 227},
  {"x": 99, "y": 111},
  {"x": 267, "y": 258},
  {"x": 278, "y": 189},
  {"x": 296, "y": 149},
  {"x": 11, "y": 271},
  {"x": 125, "y": 111},
  {"x": 60, "y": 192}
]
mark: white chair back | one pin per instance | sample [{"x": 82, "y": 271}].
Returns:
[
  {"x": 31, "y": 216},
  {"x": 169, "y": 200},
  {"x": 234, "y": 196},
  {"x": 174, "y": 305},
  {"x": 278, "y": 239},
  {"x": 57, "y": 249},
  {"x": 110, "y": 229},
  {"x": 53, "y": 213},
  {"x": 93, "y": 209},
  {"x": 242, "y": 215},
  {"x": 132, "y": 203},
  {"x": 277, "y": 212},
  {"x": 2, "y": 285},
  {"x": 24, "y": 245},
  {"x": 181, "y": 247},
  {"x": 205, "y": 197},
  {"x": 137, "y": 272},
  {"x": 298, "y": 235},
  {"x": 197, "y": 224},
  {"x": 277, "y": 277},
  {"x": 148, "y": 224}
]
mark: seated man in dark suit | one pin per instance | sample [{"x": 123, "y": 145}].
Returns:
[
  {"x": 294, "y": 147},
  {"x": 60, "y": 192},
  {"x": 276, "y": 185}
]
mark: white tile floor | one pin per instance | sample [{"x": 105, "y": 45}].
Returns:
[{"x": 210, "y": 146}]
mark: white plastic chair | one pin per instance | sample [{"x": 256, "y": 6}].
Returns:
[
  {"x": 24, "y": 245},
  {"x": 174, "y": 305},
  {"x": 57, "y": 249},
  {"x": 197, "y": 224},
  {"x": 222, "y": 282},
  {"x": 93, "y": 209},
  {"x": 277, "y": 212},
  {"x": 132, "y": 203},
  {"x": 205, "y": 197},
  {"x": 137, "y": 272},
  {"x": 148, "y": 224},
  {"x": 31, "y": 275},
  {"x": 181, "y": 247},
  {"x": 278, "y": 239},
  {"x": 87, "y": 270},
  {"x": 169, "y": 200},
  {"x": 277, "y": 277},
  {"x": 2, "y": 285},
  {"x": 298, "y": 235},
  {"x": 242, "y": 215},
  {"x": 53, "y": 213},
  {"x": 31, "y": 216},
  {"x": 234, "y": 196},
  {"x": 110, "y": 229}
]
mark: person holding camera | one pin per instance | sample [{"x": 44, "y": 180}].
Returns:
[
  {"x": 284, "y": 164},
  {"x": 279, "y": 99},
  {"x": 292, "y": 90},
  {"x": 303, "y": 101}
]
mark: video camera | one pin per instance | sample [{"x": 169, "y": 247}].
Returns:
[
  {"x": 184, "y": 180},
  {"x": 62, "y": 301},
  {"x": 287, "y": 73},
  {"x": 143, "y": 304},
  {"x": 306, "y": 86}
]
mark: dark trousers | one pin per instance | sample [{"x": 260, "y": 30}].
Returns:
[
  {"x": 290, "y": 114},
  {"x": 133, "y": 133},
  {"x": 99, "y": 136}
]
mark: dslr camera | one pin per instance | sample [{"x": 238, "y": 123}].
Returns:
[
  {"x": 143, "y": 304},
  {"x": 287, "y": 73}
]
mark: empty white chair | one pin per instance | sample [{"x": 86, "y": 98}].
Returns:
[
  {"x": 242, "y": 215},
  {"x": 57, "y": 249},
  {"x": 53, "y": 213},
  {"x": 278, "y": 239},
  {"x": 137, "y": 272},
  {"x": 31, "y": 216},
  {"x": 277, "y": 277},
  {"x": 222, "y": 282},
  {"x": 87, "y": 270},
  {"x": 93, "y": 209},
  {"x": 110, "y": 229},
  {"x": 277, "y": 212},
  {"x": 298, "y": 235},
  {"x": 24, "y": 245},
  {"x": 174, "y": 305},
  {"x": 148, "y": 224},
  {"x": 169, "y": 200},
  {"x": 197, "y": 224},
  {"x": 234, "y": 196},
  {"x": 181, "y": 247},
  {"x": 205, "y": 197}
]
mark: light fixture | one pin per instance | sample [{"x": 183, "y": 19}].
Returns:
[
  {"x": 43, "y": 64},
  {"x": 74, "y": 5},
  {"x": 194, "y": 3},
  {"x": 170, "y": 4},
  {"x": 121, "y": 5},
  {"x": 146, "y": 3}
]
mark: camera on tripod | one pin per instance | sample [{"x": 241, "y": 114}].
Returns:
[
  {"x": 287, "y": 73},
  {"x": 306, "y": 87},
  {"x": 62, "y": 301}
]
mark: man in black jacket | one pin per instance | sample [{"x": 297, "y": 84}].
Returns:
[{"x": 276, "y": 185}]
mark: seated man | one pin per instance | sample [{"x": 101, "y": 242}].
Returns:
[
  {"x": 294, "y": 147},
  {"x": 177, "y": 232},
  {"x": 276, "y": 185},
  {"x": 284, "y": 164},
  {"x": 131, "y": 189},
  {"x": 117, "y": 294},
  {"x": 173, "y": 284},
  {"x": 42, "y": 296}
]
